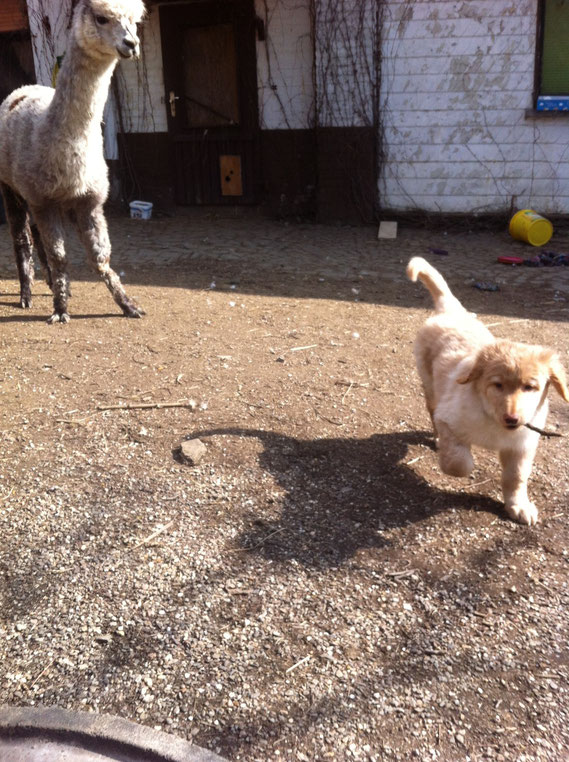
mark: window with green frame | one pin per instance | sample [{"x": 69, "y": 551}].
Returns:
[{"x": 554, "y": 74}]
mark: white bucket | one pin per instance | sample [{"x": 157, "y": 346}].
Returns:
[{"x": 140, "y": 210}]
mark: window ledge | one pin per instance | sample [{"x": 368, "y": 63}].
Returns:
[
  {"x": 533, "y": 113},
  {"x": 556, "y": 104}
]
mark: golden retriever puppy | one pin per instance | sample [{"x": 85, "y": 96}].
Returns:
[{"x": 483, "y": 391}]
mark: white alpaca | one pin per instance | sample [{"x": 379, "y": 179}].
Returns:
[{"x": 51, "y": 153}]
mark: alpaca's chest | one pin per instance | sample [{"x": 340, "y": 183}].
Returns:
[{"x": 76, "y": 169}]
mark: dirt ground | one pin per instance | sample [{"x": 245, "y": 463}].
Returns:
[{"x": 314, "y": 589}]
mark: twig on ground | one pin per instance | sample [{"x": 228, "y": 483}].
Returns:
[
  {"x": 252, "y": 404},
  {"x": 298, "y": 663},
  {"x": 351, "y": 383},
  {"x": 41, "y": 674},
  {"x": 506, "y": 322},
  {"x": 329, "y": 420},
  {"x": 348, "y": 390},
  {"x": 477, "y": 484},
  {"x": 153, "y": 535},
  {"x": 401, "y": 574},
  {"x": 148, "y": 405},
  {"x": 254, "y": 547}
]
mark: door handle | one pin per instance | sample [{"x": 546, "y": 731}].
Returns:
[{"x": 172, "y": 101}]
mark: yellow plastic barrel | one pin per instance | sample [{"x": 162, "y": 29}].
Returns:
[{"x": 529, "y": 226}]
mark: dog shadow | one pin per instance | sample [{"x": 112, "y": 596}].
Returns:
[{"x": 339, "y": 495}]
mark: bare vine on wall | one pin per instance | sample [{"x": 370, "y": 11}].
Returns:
[
  {"x": 347, "y": 74},
  {"x": 344, "y": 37},
  {"x": 49, "y": 26},
  {"x": 346, "y": 70},
  {"x": 347, "y": 61}
]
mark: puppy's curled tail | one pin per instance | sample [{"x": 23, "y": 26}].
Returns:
[{"x": 419, "y": 269}]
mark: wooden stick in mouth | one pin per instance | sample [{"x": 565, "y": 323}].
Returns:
[{"x": 542, "y": 431}]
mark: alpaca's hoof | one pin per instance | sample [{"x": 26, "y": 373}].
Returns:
[
  {"x": 26, "y": 302},
  {"x": 134, "y": 312},
  {"x": 58, "y": 317}
]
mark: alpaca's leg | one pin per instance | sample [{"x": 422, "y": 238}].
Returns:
[
  {"x": 42, "y": 256},
  {"x": 50, "y": 228},
  {"x": 17, "y": 215},
  {"x": 93, "y": 231}
]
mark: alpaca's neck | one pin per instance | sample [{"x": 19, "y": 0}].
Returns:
[{"x": 80, "y": 95}]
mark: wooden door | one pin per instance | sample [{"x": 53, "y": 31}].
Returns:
[{"x": 210, "y": 80}]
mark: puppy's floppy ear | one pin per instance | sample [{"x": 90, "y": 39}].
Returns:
[
  {"x": 469, "y": 369},
  {"x": 557, "y": 377}
]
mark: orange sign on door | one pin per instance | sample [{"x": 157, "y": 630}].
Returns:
[{"x": 230, "y": 173}]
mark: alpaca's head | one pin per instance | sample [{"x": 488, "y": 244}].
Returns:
[{"x": 106, "y": 29}]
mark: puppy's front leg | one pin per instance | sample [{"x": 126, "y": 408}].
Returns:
[
  {"x": 454, "y": 457},
  {"x": 516, "y": 469}
]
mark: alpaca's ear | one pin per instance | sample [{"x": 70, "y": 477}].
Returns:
[
  {"x": 469, "y": 369},
  {"x": 558, "y": 378}
]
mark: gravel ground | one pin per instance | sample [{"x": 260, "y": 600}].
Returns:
[{"x": 314, "y": 588}]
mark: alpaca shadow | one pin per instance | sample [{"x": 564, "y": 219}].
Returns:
[
  {"x": 27, "y": 318},
  {"x": 340, "y": 494}
]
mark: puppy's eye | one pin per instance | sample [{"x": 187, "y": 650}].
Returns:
[
  {"x": 498, "y": 385},
  {"x": 529, "y": 388},
  {"x": 101, "y": 20}
]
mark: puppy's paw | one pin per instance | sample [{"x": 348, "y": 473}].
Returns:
[
  {"x": 457, "y": 462},
  {"x": 525, "y": 513}
]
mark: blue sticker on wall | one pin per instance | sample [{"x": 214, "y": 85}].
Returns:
[{"x": 553, "y": 103}]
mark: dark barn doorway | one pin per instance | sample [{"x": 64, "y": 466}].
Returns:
[
  {"x": 210, "y": 81},
  {"x": 16, "y": 55}
]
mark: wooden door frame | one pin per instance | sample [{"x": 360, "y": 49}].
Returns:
[{"x": 174, "y": 18}]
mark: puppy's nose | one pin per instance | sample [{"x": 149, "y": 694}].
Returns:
[{"x": 511, "y": 420}]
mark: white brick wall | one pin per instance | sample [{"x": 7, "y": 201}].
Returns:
[
  {"x": 52, "y": 14},
  {"x": 145, "y": 112},
  {"x": 284, "y": 65},
  {"x": 142, "y": 82},
  {"x": 344, "y": 62},
  {"x": 457, "y": 79},
  {"x": 284, "y": 71}
]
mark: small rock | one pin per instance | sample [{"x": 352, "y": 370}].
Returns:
[{"x": 192, "y": 451}]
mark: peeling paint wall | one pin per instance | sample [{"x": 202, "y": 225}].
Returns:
[
  {"x": 284, "y": 65},
  {"x": 284, "y": 71},
  {"x": 457, "y": 80},
  {"x": 345, "y": 65},
  {"x": 49, "y": 29},
  {"x": 142, "y": 82}
]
